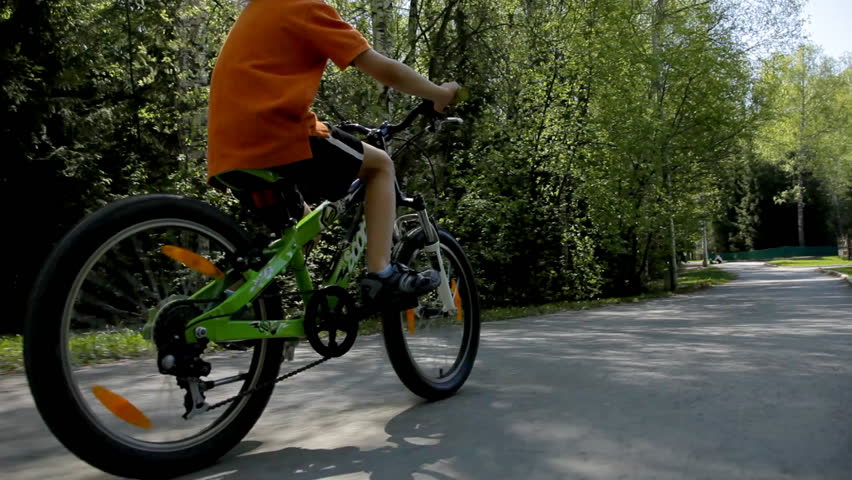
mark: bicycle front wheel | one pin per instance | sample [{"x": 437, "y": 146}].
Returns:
[
  {"x": 89, "y": 343},
  {"x": 433, "y": 351}
]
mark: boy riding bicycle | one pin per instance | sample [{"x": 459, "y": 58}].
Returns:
[{"x": 264, "y": 82}]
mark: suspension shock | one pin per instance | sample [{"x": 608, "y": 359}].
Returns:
[{"x": 433, "y": 248}]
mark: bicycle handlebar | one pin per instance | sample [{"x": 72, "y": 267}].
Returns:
[
  {"x": 354, "y": 127},
  {"x": 422, "y": 109},
  {"x": 426, "y": 108}
]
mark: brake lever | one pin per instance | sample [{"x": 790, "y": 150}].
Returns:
[{"x": 439, "y": 123}]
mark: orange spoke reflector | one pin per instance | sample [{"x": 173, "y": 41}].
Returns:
[
  {"x": 409, "y": 317},
  {"x": 121, "y": 407},
  {"x": 456, "y": 299},
  {"x": 192, "y": 260}
]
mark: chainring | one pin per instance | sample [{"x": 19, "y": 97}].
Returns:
[{"x": 331, "y": 310}]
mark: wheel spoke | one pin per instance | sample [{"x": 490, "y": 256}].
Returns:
[
  {"x": 434, "y": 339},
  {"x": 129, "y": 284}
]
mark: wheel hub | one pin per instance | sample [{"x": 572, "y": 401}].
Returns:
[{"x": 174, "y": 355}]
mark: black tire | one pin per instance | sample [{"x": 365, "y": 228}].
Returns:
[
  {"x": 396, "y": 343},
  {"x": 47, "y": 366}
]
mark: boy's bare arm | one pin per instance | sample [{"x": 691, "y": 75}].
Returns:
[{"x": 401, "y": 77}]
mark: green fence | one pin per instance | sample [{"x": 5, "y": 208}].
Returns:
[{"x": 780, "y": 252}]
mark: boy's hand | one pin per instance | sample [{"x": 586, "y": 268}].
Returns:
[{"x": 448, "y": 91}]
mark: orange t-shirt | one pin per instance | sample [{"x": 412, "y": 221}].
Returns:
[{"x": 266, "y": 78}]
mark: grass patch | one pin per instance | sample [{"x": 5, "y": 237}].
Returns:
[
  {"x": 110, "y": 345},
  {"x": 810, "y": 261},
  {"x": 370, "y": 326},
  {"x": 127, "y": 343},
  {"x": 702, "y": 278},
  {"x": 506, "y": 313},
  {"x": 86, "y": 349},
  {"x": 688, "y": 281},
  {"x": 11, "y": 354}
]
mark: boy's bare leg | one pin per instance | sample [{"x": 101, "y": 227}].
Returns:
[{"x": 378, "y": 173}]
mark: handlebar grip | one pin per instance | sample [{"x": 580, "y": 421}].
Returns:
[
  {"x": 462, "y": 95},
  {"x": 425, "y": 108},
  {"x": 428, "y": 106}
]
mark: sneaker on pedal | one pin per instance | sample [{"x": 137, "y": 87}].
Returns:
[{"x": 399, "y": 289}]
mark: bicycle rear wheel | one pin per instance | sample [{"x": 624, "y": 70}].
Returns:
[
  {"x": 433, "y": 352},
  {"x": 114, "y": 278}
]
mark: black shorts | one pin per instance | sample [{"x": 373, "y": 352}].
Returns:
[{"x": 327, "y": 175}]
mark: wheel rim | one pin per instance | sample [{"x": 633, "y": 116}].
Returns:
[
  {"x": 117, "y": 289},
  {"x": 438, "y": 343}
]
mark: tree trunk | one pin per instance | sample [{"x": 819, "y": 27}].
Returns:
[
  {"x": 438, "y": 40},
  {"x": 838, "y": 220},
  {"x": 800, "y": 209},
  {"x": 673, "y": 259},
  {"x": 380, "y": 13},
  {"x": 413, "y": 20},
  {"x": 658, "y": 92},
  {"x": 800, "y": 158}
]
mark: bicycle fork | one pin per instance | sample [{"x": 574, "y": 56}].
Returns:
[{"x": 433, "y": 248}]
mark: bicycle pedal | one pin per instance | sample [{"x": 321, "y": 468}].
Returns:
[
  {"x": 289, "y": 350},
  {"x": 407, "y": 302},
  {"x": 399, "y": 303},
  {"x": 237, "y": 346}
]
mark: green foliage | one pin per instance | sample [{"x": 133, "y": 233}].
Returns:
[
  {"x": 594, "y": 125},
  {"x": 806, "y": 100},
  {"x": 797, "y": 158}
]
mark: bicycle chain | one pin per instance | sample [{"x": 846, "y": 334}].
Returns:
[{"x": 269, "y": 383}]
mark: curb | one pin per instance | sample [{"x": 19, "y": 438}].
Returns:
[{"x": 837, "y": 274}]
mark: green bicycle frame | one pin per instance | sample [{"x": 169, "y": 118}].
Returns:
[{"x": 285, "y": 253}]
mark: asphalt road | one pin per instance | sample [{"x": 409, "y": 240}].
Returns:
[{"x": 750, "y": 380}]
